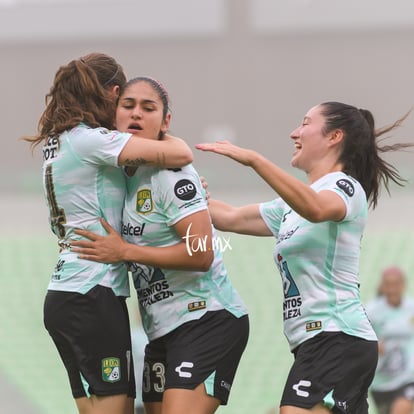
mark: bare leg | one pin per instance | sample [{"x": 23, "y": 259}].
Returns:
[
  {"x": 153, "y": 408},
  {"x": 197, "y": 401},
  {"x": 402, "y": 406},
  {"x": 130, "y": 407},
  {"x": 318, "y": 409},
  {"x": 113, "y": 404}
]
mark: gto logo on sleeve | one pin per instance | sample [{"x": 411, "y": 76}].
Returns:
[
  {"x": 346, "y": 186},
  {"x": 185, "y": 189}
]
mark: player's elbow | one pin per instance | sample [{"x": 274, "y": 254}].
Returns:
[
  {"x": 188, "y": 158},
  {"x": 204, "y": 260}
]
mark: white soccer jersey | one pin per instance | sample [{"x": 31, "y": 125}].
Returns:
[
  {"x": 82, "y": 182},
  {"x": 319, "y": 262},
  {"x": 156, "y": 200},
  {"x": 394, "y": 327}
]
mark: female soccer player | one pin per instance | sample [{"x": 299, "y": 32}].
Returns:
[
  {"x": 318, "y": 228},
  {"x": 196, "y": 323},
  {"x": 84, "y": 309}
]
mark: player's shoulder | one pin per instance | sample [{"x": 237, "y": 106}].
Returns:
[{"x": 174, "y": 174}]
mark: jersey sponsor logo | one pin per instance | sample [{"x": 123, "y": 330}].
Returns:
[
  {"x": 346, "y": 186},
  {"x": 111, "y": 369},
  {"x": 293, "y": 301},
  {"x": 191, "y": 203},
  {"x": 58, "y": 269},
  {"x": 150, "y": 283},
  {"x": 193, "y": 306},
  {"x": 289, "y": 286},
  {"x": 146, "y": 274},
  {"x": 130, "y": 230},
  {"x": 285, "y": 215},
  {"x": 185, "y": 190},
  {"x": 287, "y": 235},
  {"x": 300, "y": 392},
  {"x": 144, "y": 201},
  {"x": 184, "y": 374},
  {"x": 291, "y": 308},
  {"x": 50, "y": 148},
  {"x": 225, "y": 385},
  {"x": 313, "y": 326}
]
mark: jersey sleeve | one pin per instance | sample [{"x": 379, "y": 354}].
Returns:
[
  {"x": 180, "y": 193},
  {"x": 272, "y": 213},
  {"x": 99, "y": 145},
  {"x": 351, "y": 193}
]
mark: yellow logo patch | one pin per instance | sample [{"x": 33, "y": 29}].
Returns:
[
  {"x": 111, "y": 369},
  {"x": 144, "y": 201}
]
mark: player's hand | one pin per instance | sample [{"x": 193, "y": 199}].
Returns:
[
  {"x": 204, "y": 183},
  {"x": 104, "y": 249},
  {"x": 242, "y": 155}
]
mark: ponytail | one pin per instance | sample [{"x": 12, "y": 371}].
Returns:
[
  {"x": 361, "y": 148},
  {"x": 80, "y": 94}
]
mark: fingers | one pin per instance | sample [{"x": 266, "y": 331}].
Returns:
[
  {"x": 88, "y": 257},
  {"x": 107, "y": 226},
  {"x": 207, "y": 146},
  {"x": 88, "y": 234},
  {"x": 81, "y": 244}
]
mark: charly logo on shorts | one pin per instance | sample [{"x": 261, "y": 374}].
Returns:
[
  {"x": 111, "y": 369},
  {"x": 144, "y": 201},
  {"x": 181, "y": 369}
]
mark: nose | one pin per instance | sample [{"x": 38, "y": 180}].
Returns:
[
  {"x": 136, "y": 113},
  {"x": 295, "y": 133}
]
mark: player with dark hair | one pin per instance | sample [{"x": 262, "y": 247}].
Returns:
[
  {"x": 318, "y": 228},
  {"x": 84, "y": 309}
]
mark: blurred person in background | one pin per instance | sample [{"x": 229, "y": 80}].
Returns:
[
  {"x": 318, "y": 228},
  {"x": 392, "y": 317},
  {"x": 84, "y": 310},
  {"x": 196, "y": 323}
]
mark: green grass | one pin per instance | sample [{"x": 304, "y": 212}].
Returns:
[{"x": 29, "y": 360}]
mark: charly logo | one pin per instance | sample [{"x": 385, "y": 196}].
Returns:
[
  {"x": 300, "y": 392},
  {"x": 144, "y": 201},
  {"x": 184, "y": 374},
  {"x": 195, "y": 243},
  {"x": 111, "y": 369},
  {"x": 185, "y": 190}
]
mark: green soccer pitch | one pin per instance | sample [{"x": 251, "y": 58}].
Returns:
[{"x": 29, "y": 361}]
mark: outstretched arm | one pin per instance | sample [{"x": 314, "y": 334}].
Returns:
[
  {"x": 170, "y": 152},
  {"x": 244, "y": 220},
  {"x": 313, "y": 206},
  {"x": 194, "y": 230}
]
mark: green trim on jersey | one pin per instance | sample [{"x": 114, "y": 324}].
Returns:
[
  {"x": 319, "y": 264},
  {"x": 168, "y": 298},
  {"x": 82, "y": 183}
]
